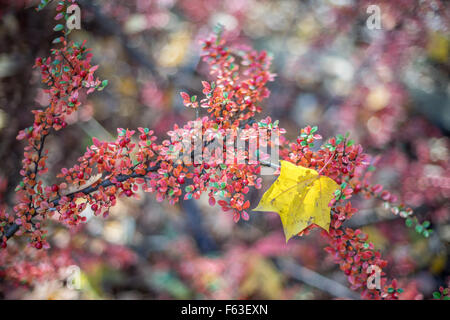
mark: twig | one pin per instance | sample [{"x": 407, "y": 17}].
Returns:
[
  {"x": 316, "y": 280},
  {"x": 14, "y": 227}
]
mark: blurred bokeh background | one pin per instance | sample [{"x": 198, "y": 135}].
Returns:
[{"x": 388, "y": 87}]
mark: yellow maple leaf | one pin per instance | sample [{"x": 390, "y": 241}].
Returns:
[{"x": 301, "y": 197}]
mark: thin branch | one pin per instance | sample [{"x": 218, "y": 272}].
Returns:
[
  {"x": 316, "y": 280},
  {"x": 92, "y": 188}
]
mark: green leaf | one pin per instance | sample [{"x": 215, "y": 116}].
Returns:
[
  {"x": 314, "y": 129},
  {"x": 58, "y": 27},
  {"x": 103, "y": 85},
  {"x": 437, "y": 295},
  {"x": 426, "y": 224},
  {"x": 408, "y": 222},
  {"x": 42, "y": 4},
  {"x": 419, "y": 228}
]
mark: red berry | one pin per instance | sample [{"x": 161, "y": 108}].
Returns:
[
  {"x": 80, "y": 175},
  {"x": 55, "y": 188},
  {"x": 112, "y": 197},
  {"x": 73, "y": 205},
  {"x": 180, "y": 180},
  {"x": 344, "y": 170},
  {"x": 4, "y": 245},
  {"x": 94, "y": 207},
  {"x": 64, "y": 124},
  {"x": 119, "y": 185},
  {"x": 206, "y": 166},
  {"x": 129, "y": 193},
  {"x": 38, "y": 245},
  {"x": 245, "y": 182},
  {"x": 100, "y": 161},
  {"x": 143, "y": 137}
]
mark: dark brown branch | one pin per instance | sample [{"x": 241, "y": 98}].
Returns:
[{"x": 92, "y": 188}]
